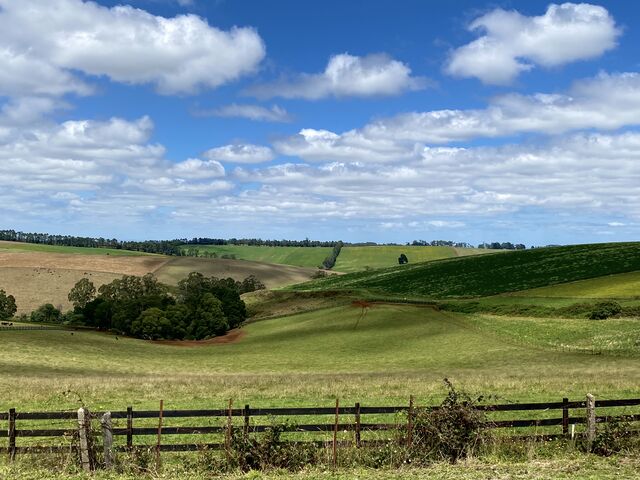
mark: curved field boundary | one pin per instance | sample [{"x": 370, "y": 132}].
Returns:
[{"x": 491, "y": 274}]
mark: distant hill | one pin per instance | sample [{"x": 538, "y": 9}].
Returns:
[{"x": 492, "y": 274}]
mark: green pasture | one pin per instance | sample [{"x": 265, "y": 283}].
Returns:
[
  {"x": 621, "y": 286},
  {"x": 33, "y": 247},
  {"x": 491, "y": 274},
  {"x": 574, "y": 466},
  {"x": 355, "y": 259},
  {"x": 298, "y": 256},
  {"x": 380, "y": 355}
]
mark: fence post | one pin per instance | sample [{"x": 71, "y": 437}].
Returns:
[
  {"x": 410, "y": 422},
  {"x": 591, "y": 420},
  {"x": 335, "y": 434},
  {"x": 160, "y": 415},
  {"x": 107, "y": 439},
  {"x": 229, "y": 433},
  {"x": 84, "y": 433},
  {"x": 357, "y": 424},
  {"x": 12, "y": 434},
  {"x": 129, "y": 428},
  {"x": 247, "y": 413},
  {"x": 565, "y": 416}
]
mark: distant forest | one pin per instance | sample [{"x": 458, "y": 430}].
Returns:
[{"x": 173, "y": 247}]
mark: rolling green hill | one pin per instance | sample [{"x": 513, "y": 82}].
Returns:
[
  {"x": 623, "y": 285},
  {"x": 310, "y": 257},
  {"x": 493, "y": 274},
  {"x": 355, "y": 259},
  {"x": 381, "y": 356}
]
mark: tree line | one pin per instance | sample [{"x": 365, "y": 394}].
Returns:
[
  {"x": 174, "y": 247},
  {"x": 164, "y": 247}
]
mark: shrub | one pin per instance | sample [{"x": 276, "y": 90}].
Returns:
[
  {"x": 450, "y": 432},
  {"x": 266, "y": 451},
  {"x": 613, "y": 437},
  {"x": 605, "y": 310}
]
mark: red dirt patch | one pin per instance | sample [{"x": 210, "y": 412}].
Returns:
[
  {"x": 360, "y": 303},
  {"x": 231, "y": 336}
]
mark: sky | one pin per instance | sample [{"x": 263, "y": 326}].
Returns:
[{"x": 376, "y": 120}]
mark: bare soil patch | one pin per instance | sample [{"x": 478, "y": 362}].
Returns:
[
  {"x": 36, "y": 278},
  {"x": 125, "y": 265},
  {"x": 232, "y": 336}
]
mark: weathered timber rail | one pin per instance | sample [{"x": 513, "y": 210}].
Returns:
[{"x": 346, "y": 423}]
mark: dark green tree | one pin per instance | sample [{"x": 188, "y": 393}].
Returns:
[
  {"x": 7, "y": 306},
  {"x": 82, "y": 293}
]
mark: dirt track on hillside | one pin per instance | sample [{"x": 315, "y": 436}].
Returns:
[{"x": 232, "y": 336}]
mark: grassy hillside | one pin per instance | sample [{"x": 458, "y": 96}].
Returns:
[
  {"x": 484, "y": 275},
  {"x": 380, "y": 357},
  {"x": 33, "y": 247},
  {"x": 310, "y": 257},
  {"x": 623, "y": 285},
  {"x": 36, "y": 277},
  {"x": 273, "y": 276},
  {"x": 355, "y": 259}
]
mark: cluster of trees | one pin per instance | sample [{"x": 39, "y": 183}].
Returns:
[
  {"x": 7, "y": 305},
  {"x": 503, "y": 246},
  {"x": 440, "y": 243},
  {"x": 196, "y": 252},
  {"x": 165, "y": 247},
  {"x": 200, "y": 307},
  {"x": 329, "y": 262},
  {"x": 260, "y": 242}
]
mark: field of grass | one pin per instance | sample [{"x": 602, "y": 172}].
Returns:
[
  {"x": 380, "y": 357},
  {"x": 492, "y": 274},
  {"x": 621, "y": 286},
  {"x": 355, "y": 259},
  {"x": 310, "y": 257},
  {"x": 273, "y": 276},
  {"x": 33, "y": 247},
  {"x": 574, "y": 466}
]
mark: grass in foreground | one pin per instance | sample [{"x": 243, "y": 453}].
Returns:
[
  {"x": 378, "y": 357},
  {"x": 568, "y": 466},
  {"x": 484, "y": 275}
]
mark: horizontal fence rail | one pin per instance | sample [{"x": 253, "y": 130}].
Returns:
[{"x": 213, "y": 427}]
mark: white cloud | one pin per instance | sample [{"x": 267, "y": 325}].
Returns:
[
  {"x": 323, "y": 145},
  {"x": 196, "y": 168},
  {"x": 513, "y": 43},
  {"x": 346, "y": 76},
  {"x": 606, "y": 102},
  {"x": 252, "y": 112},
  {"x": 43, "y": 44},
  {"x": 240, "y": 153}
]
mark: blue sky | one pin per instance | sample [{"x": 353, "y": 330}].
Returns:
[{"x": 363, "y": 120}]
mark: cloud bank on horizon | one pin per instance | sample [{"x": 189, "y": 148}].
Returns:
[{"x": 123, "y": 121}]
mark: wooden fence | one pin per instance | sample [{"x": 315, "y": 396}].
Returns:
[{"x": 347, "y": 425}]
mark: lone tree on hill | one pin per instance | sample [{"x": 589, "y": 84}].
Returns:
[
  {"x": 402, "y": 259},
  {"x": 7, "y": 306}
]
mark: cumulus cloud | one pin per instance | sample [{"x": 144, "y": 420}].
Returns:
[
  {"x": 251, "y": 112},
  {"x": 352, "y": 146},
  {"x": 240, "y": 153},
  {"x": 196, "y": 168},
  {"x": 605, "y": 102},
  {"x": 347, "y": 76},
  {"x": 513, "y": 43},
  {"x": 43, "y": 44}
]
